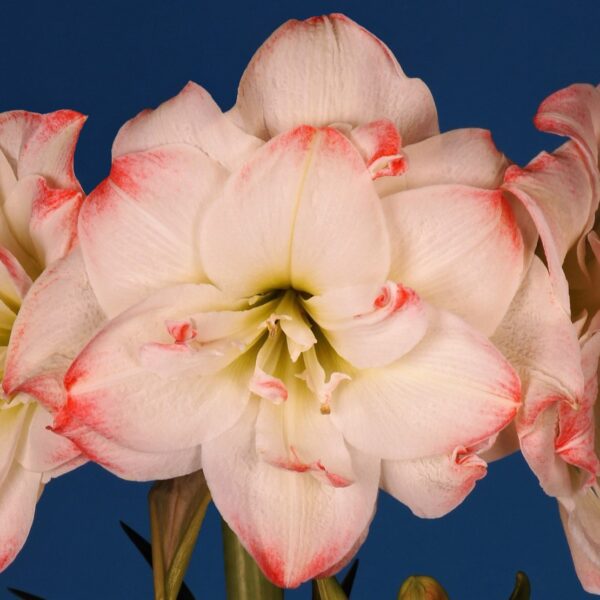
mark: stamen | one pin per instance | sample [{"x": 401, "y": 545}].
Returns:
[
  {"x": 263, "y": 383},
  {"x": 314, "y": 375}
]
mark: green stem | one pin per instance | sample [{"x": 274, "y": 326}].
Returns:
[{"x": 244, "y": 579}]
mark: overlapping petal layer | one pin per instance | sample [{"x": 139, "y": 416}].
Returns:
[
  {"x": 133, "y": 378},
  {"x": 193, "y": 118}
]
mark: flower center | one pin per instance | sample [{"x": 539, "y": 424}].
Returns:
[{"x": 293, "y": 347}]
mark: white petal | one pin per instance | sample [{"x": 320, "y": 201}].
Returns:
[
  {"x": 453, "y": 389},
  {"x": 295, "y": 435},
  {"x": 330, "y": 70},
  {"x": 139, "y": 228},
  {"x": 193, "y": 118},
  {"x": 303, "y": 213},
  {"x": 294, "y": 526},
  {"x": 459, "y": 248}
]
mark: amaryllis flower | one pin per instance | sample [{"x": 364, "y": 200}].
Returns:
[
  {"x": 302, "y": 290},
  {"x": 38, "y": 224},
  {"x": 556, "y": 343}
]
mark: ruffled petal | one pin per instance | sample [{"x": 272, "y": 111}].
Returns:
[
  {"x": 459, "y": 248},
  {"x": 192, "y": 117},
  {"x": 383, "y": 324},
  {"x": 139, "y": 228},
  {"x": 574, "y": 112},
  {"x": 453, "y": 389},
  {"x": 302, "y": 213},
  {"x": 330, "y": 70},
  {"x": 538, "y": 338},
  {"x": 432, "y": 487},
  {"x": 36, "y": 144},
  {"x": 557, "y": 192},
  {"x": 42, "y": 219},
  {"x": 293, "y": 525}
]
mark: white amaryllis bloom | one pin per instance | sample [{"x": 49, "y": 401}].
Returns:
[
  {"x": 40, "y": 199},
  {"x": 303, "y": 289},
  {"x": 557, "y": 422}
]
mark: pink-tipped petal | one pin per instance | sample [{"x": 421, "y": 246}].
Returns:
[
  {"x": 131, "y": 464},
  {"x": 42, "y": 219},
  {"x": 330, "y": 70},
  {"x": 42, "y": 144},
  {"x": 432, "y": 487},
  {"x": 460, "y": 248},
  {"x": 139, "y": 229},
  {"x": 574, "y": 112},
  {"x": 302, "y": 213},
  {"x": 114, "y": 390},
  {"x": 560, "y": 197},
  {"x": 294, "y": 526},
  {"x": 193, "y": 118},
  {"x": 453, "y": 389}
]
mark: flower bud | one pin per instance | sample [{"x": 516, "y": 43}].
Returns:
[{"x": 421, "y": 587}]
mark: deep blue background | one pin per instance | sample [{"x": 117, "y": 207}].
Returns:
[{"x": 488, "y": 64}]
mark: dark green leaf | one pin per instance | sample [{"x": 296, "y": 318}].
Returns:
[
  {"x": 142, "y": 544},
  {"x": 23, "y": 595},
  {"x": 348, "y": 581},
  {"x": 522, "y": 589},
  {"x": 145, "y": 548}
]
